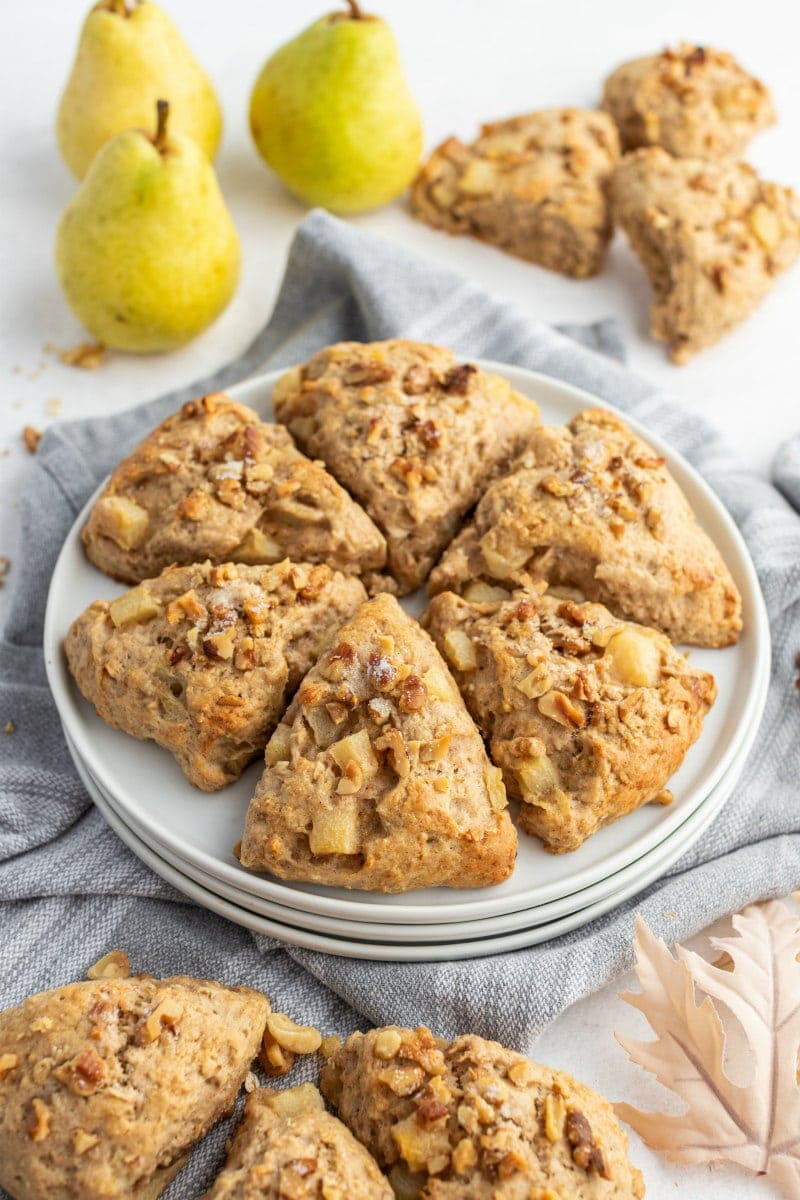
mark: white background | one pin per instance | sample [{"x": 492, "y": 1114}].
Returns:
[{"x": 467, "y": 61}]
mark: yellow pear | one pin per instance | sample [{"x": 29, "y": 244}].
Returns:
[
  {"x": 147, "y": 253},
  {"x": 333, "y": 116},
  {"x": 129, "y": 55}
]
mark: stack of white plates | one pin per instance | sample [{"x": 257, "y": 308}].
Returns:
[{"x": 188, "y": 836}]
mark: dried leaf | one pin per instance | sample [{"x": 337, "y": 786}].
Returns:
[{"x": 755, "y": 1124}]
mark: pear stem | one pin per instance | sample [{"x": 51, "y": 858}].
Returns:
[
  {"x": 355, "y": 11},
  {"x": 160, "y": 140}
]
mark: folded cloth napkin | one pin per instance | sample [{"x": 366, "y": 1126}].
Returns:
[{"x": 70, "y": 890}]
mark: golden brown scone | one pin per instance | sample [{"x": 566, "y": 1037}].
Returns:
[
  {"x": 289, "y": 1148},
  {"x": 470, "y": 1120},
  {"x": 534, "y": 185},
  {"x": 105, "y": 1086},
  {"x": 591, "y": 506},
  {"x": 203, "y": 659},
  {"x": 214, "y": 481},
  {"x": 586, "y": 715},
  {"x": 414, "y": 435},
  {"x": 377, "y": 777},
  {"x": 712, "y": 238},
  {"x": 694, "y": 101}
]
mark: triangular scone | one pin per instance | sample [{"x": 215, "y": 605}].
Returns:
[
  {"x": 377, "y": 777},
  {"x": 288, "y": 1147},
  {"x": 203, "y": 659},
  {"x": 411, "y": 432},
  {"x": 534, "y": 185},
  {"x": 105, "y": 1086},
  {"x": 586, "y": 715},
  {"x": 712, "y": 237},
  {"x": 471, "y": 1119},
  {"x": 593, "y": 507},
  {"x": 215, "y": 482}
]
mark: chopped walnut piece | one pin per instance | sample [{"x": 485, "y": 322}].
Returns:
[
  {"x": 585, "y": 1152},
  {"x": 166, "y": 1014},
  {"x": 7, "y": 1064},
  {"x": 85, "y": 1073},
  {"x": 38, "y": 1121},
  {"x": 88, "y": 356},
  {"x": 554, "y": 1114},
  {"x": 274, "y": 1059},
  {"x": 560, "y": 708},
  {"x": 458, "y": 378},
  {"x": 300, "y": 1039},
  {"x": 82, "y": 1141},
  {"x": 114, "y": 965},
  {"x": 413, "y": 694}
]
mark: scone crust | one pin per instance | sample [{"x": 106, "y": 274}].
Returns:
[
  {"x": 211, "y": 671},
  {"x": 425, "y": 805},
  {"x": 712, "y": 237},
  {"x": 413, "y": 434},
  {"x": 693, "y": 101},
  {"x": 305, "y": 1156},
  {"x": 534, "y": 185},
  {"x": 477, "y": 1120},
  {"x": 591, "y": 506},
  {"x": 586, "y": 715},
  {"x": 113, "y": 1082},
  {"x": 215, "y": 482}
]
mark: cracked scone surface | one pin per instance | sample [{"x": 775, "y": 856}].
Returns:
[
  {"x": 712, "y": 238},
  {"x": 105, "y": 1086},
  {"x": 377, "y": 777},
  {"x": 203, "y": 659},
  {"x": 586, "y": 715},
  {"x": 411, "y": 432},
  {"x": 693, "y": 101},
  {"x": 472, "y": 1119},
  {"x": 289, "y": 1148},
  {"x": 214, "y": 481},
  {"x": 591, "y": 506},
  {"x": 534, "y": 185}
]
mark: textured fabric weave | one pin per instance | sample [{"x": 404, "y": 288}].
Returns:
[{"x": 70, "y": 890}]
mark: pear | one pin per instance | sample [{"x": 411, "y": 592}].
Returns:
[
  {"x": 333, "y": 116},
  {"x": 147, "y": 253},
  {"x": 127, "y": 58}
]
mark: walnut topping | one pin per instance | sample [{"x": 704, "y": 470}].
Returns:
[
  {"x": 38, "y": 1121},
  {"x": 392, "y": 742},
  {"x": 274, "y": 1059},
  {"x": 114, "y": 965},
  {"x": 166, "y": 1014},
  {"x": 85, "y": 1074},
  {"x": 82, "y": 1141},
  {"x": 300, "y": 1039},
  {"x": 428, "y": 432},
  {"x": 220, "y": 646},
  {"x": 7, "y": 1064},
  {"x": 557, "y": 487},
  {"x": 430, "y": 1112},
  {"x": 585, "y": 1152},
  {"x": 188, "y": 605},
  {"x": 381, "y": 672},
  {"x": 465, "y": 1156},
  {"x": 368, "y": 371},
  {"x": 554, "y": 1113},
  {"x": 417, "y": 380},
  {"x": 560, "y": 708},
  {"x": 458, "y": 378},
  {"x": 413, "y": 695},
  {"x": 510, "y": 1163}
]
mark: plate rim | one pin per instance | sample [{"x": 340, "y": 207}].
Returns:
[{"x": 486, "y": 905}]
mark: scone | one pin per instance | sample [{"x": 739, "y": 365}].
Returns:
[
  {"x": 377, "y": 777},
  {"x": 105, "y": 1086},
  {"x": 289, "y": 1148},
  {"x": 472, "y": 1119},
  {"x": 534, "y": 185},
  {"x": 586, "y": 715},
  {"x": 203, "y": 659},
  {"x": 214, "y": 481},
  {"x": 694, "y": 101},
  {"x": 591, "y": 506},
  {"x": 712, "y": 237},
  {"x": 413, "y": 434}
]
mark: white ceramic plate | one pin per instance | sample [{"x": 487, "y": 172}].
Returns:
[
  {"x": 202, "y": 829},
  {"x": 346, "y": 944}
]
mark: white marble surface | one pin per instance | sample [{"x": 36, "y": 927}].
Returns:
[{"x": 468, "y": 61}]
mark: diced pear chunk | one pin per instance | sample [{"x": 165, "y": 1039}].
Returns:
[
  {"x": 459, "y": 649},
  {"x": 335, "y": 830},
  {"x": 500, "y": 565},
  {"x": 278, "y": 746},
  {"x": 123, "y": 520},
  {"x": 538, "y": 779},
  {"x": 635, "y": 657},
  {"x": 355, "y": 749},
  {"x": 294, "y": 1101},
  {"x": 479, "y": 179},
  {"x": 484, "y": 593},
  {"x": 135, "y": 606},
  {"x": 257, "y": 548}
]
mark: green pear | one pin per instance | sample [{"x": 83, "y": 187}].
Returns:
[
  {"x": 127, "y": 58},
  {"x": 147, "y": 253},
  {"x": 332, "y": 114}
]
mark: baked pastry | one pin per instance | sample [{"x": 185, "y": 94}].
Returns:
[
  {"x": 414, "y": 435},
  {"x": 586, "y": 715},
  {"x": 214, "y": 481},
  {"x": 533, "y": 185},
  {"x": 289, "y": 1148},
  {"x": 694, "y": 101},
  {"x": 105, "y": 1086},
  {"x": 472, "y": 1119},
  {"x": 203, "y": 659},
  {"x": 712, "y": 237},
  {"x": 591, "y": 506},
  {"x": 377, "y": 777}
]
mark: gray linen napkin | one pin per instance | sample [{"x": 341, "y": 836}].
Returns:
[{"x": 70, "y": 890}]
